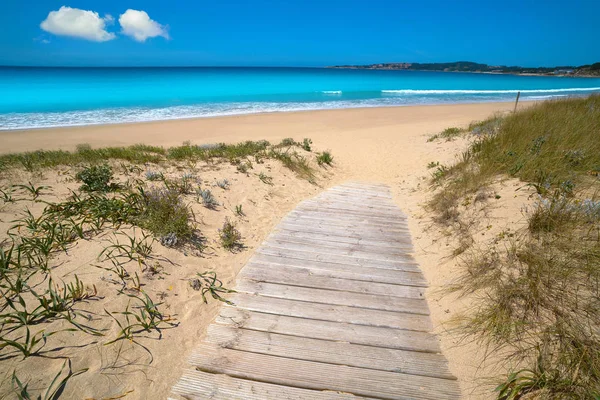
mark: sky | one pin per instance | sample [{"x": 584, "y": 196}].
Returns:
[{"x": 303, "y": 33}]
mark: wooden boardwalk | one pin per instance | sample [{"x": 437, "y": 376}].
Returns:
[{"x": 330, "y": 307}]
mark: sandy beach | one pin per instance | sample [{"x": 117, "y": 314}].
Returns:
[{"x": 382, "y": 145}]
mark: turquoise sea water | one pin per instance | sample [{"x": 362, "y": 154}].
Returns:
[{"x": 45, "y": 97}]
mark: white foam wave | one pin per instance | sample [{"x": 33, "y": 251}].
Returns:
[
  {"x": 14, "y": 121},
  {"x": 331, "y": 92},
  {"x": 507, "y": 91}
]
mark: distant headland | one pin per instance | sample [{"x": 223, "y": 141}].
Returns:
[{"x": 468, "y": 66}]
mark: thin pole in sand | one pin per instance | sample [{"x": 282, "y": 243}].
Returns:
[{"x": 517, "y": 101}]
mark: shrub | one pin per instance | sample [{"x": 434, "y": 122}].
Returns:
[
  {"x": 288, "y": 142},
  {"x": 207, "y": 198},
  {"x": 306, "y": 144},
  {"x": 230, "y": 236},
  {"x": 325, "y": 158},
  {"x": 154, "y": 176},
  {"x": 223, "y": 184},
  {"x": 165, "y": 213},
  {"x": 96, "y": 178}
]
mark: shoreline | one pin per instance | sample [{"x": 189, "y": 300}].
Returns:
[
  {"x": 2, "y": 131},
  {"x": 165, "y": 131}
]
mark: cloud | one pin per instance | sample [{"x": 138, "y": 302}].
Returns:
[
  {"x": 139, "y": 26},
  {"x": 78, "y": 23}
]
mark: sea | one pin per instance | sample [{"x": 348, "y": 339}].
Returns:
[{"x": 54, "y": 97}]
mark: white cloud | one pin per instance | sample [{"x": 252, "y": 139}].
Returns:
[
  {"x": 78, "y": 23},
  {"x": 139, "y": 26}
]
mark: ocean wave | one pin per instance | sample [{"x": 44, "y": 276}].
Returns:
[
  {"x": 503, "y": 91},
  {"x": 34, "y": 120},
  {"x": 331, "y": 92}
]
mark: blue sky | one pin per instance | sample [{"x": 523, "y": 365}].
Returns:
[{"x": 300, "y": 32}]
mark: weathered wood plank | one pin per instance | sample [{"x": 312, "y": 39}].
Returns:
[
  {"x": 334, "y": 250},
  {"x": 362, "y": 203},
  {"x": 335, "y": 240},
  {"x": 327, "y": 330},
  {"x": 333, "y": 280},
  {"x": 351, "y": 211},
  {"x": 366, "y": 232},
  {"x": 198, "y": 385},
  {"x": 330, "y": 265},
  {"x": 308, "y": 240},
  {"x": 326, "y": 256},
  {"x": 363, "y": 223},
  {"x": 331, "y": 352},
  {"x": 322, "y": 376},
  {"x": 378, "y": 237},
  {"x": 324, "y": 296},
  {"x": 332, "y": 312}
]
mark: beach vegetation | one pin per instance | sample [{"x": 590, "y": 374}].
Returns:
[
  {"x": 164, "y": 212},
  {"x": 448, "y": 134},
  {"x": 307, "y": 144},
  {"x": 96, "y": 178},
  {"x": 207, "y": 198},
  {"x": 537, "y": 294},
  {"x": 223, "y": 184},
  {"x": 239, "y": 211},
  {"x": 144, "y": 154},
  {"x": 230, "y": 236},
  {"x": 264, "y": 178},
  {"x": 325, "y": 158},
  {"x": 208, "y": 282}
]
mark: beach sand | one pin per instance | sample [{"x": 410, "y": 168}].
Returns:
[{"x": 384, "y": 145}]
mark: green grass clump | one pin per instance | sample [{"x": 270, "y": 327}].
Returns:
[
  {"x": 537, "y": 296},
  {"x": 448, "y": 134},
  {"x": 230, "y": 236},
  {"x": 96, "y": 178},
  {"x": 164, "y": 213},
  {"x": 325, "y": 158}
]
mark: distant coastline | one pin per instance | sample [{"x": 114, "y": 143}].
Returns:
[{"x": 582, "y": 71}]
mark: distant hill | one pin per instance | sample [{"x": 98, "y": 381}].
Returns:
[{"x": 468, "y": 66}]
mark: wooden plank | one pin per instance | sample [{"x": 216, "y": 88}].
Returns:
[
  {"x": 370, "y": 233},
  {"x": 198, "y": 385},
  {"x": 334, "y": 240},
  {"x": 364, "y": 223},
  {"x": 327, "y": 256},
  {"x": 352, "y": 211},
  {"x": 331, "y": 312},
  {"x": 381, "y": 238},
  {"x": 309, "y": 241},
  {"x": 390, "y": 222},
  {"x": 407, "y": 362},
  {"x": 324, "y": 296},
  {"x": 337, "y": 266},
  {"x": 347, "y": 202},
  {"x": 358, "y": 190},
  {"x": 334, "y": 250},
  {"x": 328, "y": 330},
  {"x": 361, "y": 189},
  {"x": 321, "y": 376},
  {"x": 385, "y": 285}
]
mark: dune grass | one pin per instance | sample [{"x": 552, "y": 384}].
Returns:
[
  {"x": 537, "y": 295},
  {"x": 237, "y": 154}
]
